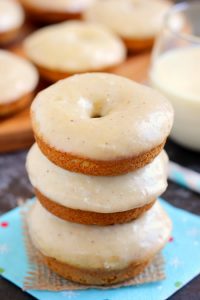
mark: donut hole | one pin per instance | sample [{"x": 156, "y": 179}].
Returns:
[
  {"x": 91, "y": 109},
  {"x": 96, "y": 115},
  {"x": 96, "y": 111}
]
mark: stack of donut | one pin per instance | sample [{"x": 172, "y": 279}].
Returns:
[{"x": 97, "y": 169}]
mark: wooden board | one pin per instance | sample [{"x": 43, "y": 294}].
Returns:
[
  {"x": 16, "y": 132},
  {"x": 135, "y": 68}
]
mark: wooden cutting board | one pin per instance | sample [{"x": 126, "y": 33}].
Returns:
[
  {"x": 16, "y": 132},
  {"x": 135, "y": 68}
]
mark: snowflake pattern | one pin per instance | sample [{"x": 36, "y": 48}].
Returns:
[
  {"x": 175, "y": 262},
  {"x": 196, "y": 243},
  {"x": 70, "y": 294},
  {"x": 3, "y": 249},
  {"x": 184, "y": 219},
  {"x": 160, "y": 287},
  {"x": 193, "y": 232}
]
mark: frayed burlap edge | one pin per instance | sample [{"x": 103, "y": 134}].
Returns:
[{"x": 40, "y": 277}]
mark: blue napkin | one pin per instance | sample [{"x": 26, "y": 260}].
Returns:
[{"x": 182, "y": 256}]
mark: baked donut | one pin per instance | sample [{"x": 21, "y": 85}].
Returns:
[
  {"x": 137, "y": 22},
  {"x": 73, "y": 47},
  {"x": 18, "y": 80},
  {"x": 49, "y": 11},
  {"x": 11, "y": 20},
  {"x": 100, "y": 124},
  {"x": 96, "y": 200},
  {"x": 90, "y": 254}
]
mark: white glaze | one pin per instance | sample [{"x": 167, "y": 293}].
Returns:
[
  {"x": 181, "y": 85},
  {"x": 104, "y": 247},
  {"x": 130, "y": 18},
  {"x": 99, "y": 194},
  {"x": 71, "y": 6},
  {"x": 18, "y": 77},
  {"x": 75, "y": 46},
  {"x": 11, "y": 15},
  {"x": 134, "y": 118}
]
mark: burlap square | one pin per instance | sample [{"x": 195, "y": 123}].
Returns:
[{"x": 40, "y": 277}]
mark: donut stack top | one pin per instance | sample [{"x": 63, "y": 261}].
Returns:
[
  {"x": 99, "y": 158},
  {"x": 100, "y": 124}
]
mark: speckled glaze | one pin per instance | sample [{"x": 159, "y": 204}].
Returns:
[
  {"x": 97, "y": 194},
  {"x": 109, "y": 247},
  {"x": 101, "y": 116}
]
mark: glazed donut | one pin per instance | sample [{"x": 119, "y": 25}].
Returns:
[
  {"x": 96, "y": 200},
  {"x": 11, "y": 20},
  {"x": 100, "y": 124},
  {"x": 73, "y": 47},
  {"x": 98, "y": 255},
  {"x": 48, "y": 11},
  {"x": 137, "y": 22},
  {"x": 18, "y": 80}
]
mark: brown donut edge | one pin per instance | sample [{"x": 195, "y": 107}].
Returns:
[
  {"x": 9, "y": 36},
  {"x": 89, "y": 217},
  {"x": 15, "y": 106},
  {"x": 55, "y": 75},
  {"x": 47, "y": 16},
  {"x": 93, "y": 167},
  {"x": 95, "y": 276},
  {"x": 138, "y": 45}
]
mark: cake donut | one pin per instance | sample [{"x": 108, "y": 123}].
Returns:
[
  {"x": 73, "y": 47},
  {"x": 11, "y": 20},
  {"x": 100, "y": 124},
  {"x": 96, "y": 200},
  {"x": 48, "y": 11},
  {"x": 137, "y": 22},
  {"x": 104, "y": 255},
  {"x": 18, "y": 80}
]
